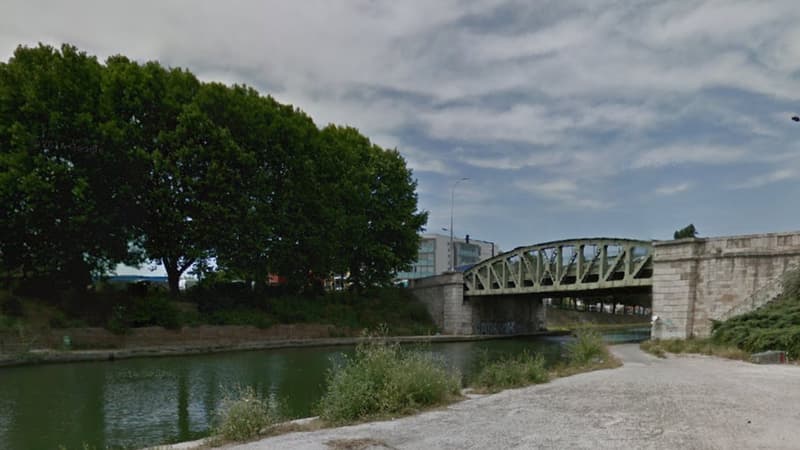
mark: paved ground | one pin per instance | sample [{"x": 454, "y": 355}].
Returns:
[{"x": 687, "y": 402}]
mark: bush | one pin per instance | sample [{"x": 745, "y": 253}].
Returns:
[
  {"x": 587, "y": 346},
  {"x": 10, "y": 305},
  {"x": 244, "y": 415},
  {"x": 775, "y": 326},
  {"x": 240, "y": 316},
  {"x": 381, "y": 379},
  {"x": 521, "y": 370}
]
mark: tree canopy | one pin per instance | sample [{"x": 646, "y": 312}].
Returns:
[
  {"x": 102, "y": 163},
  {"x": 685, "y": 232}
]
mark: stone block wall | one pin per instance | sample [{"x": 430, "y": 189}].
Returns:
[
  {"x": 697, "y": 280},
  {"x": 443, "y": 295}
]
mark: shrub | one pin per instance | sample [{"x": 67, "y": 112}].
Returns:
[
  {"x": 521, "y": 370},
  {"x": 775, "y": 326},
  {"x": 244, "y": 415},
  {"x": 240, "y": 316},
  {"x": 10, "y": 305},
  {"x": 587, "y": 346},
  {"x": 382, "y": 378}
]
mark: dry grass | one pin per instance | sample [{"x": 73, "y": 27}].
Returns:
[
  {"x": 356, "y": 444},
  {"x": 708, "y": 347}
]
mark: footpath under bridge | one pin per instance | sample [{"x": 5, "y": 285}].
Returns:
[{"x": 565, "y": 268}]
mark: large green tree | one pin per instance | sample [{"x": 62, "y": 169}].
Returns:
[
  {"x": 373, "y": 209},
  {"x": 64, "y": 211},
  {"x": 101, "y": 164}
]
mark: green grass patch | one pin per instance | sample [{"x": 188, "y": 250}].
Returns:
[
  {"x": 384, "y": 379},
  {"x": 510, "y": 372}
]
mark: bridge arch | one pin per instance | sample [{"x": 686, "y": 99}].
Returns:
[{"x": 567, "y": 267}]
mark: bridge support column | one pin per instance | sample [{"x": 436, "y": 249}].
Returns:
[
  {"x": 674, "y": 288},
  {"x": 443, "y": 295}
]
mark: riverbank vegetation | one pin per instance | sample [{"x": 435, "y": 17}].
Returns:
[
  {"x": 120, "y": 161},
  {"x": 510, "y": 372},
  {"x": 695, "y": 345},
  {"x": 346, "y": 312},
  {"x": 244, "y": 415},
  {"x": 384, "y": 379}
]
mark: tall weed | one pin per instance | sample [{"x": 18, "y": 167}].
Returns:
[
  {"x": 244, "y": 415},
  {"x": 382, "y": 378},
  {"x": 516, "y": 371},
  {"x": 587, "y": 347}
]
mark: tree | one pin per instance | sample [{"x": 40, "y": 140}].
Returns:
[
  {"x": 686, "y": 232},
  {"x": 376, "y": 222},
  {"x": 64, "y": 209}
]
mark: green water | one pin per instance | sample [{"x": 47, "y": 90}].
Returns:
[{"x": 140, "y": 402}]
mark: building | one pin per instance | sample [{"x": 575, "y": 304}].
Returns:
[{"x": 435, "y": 255}]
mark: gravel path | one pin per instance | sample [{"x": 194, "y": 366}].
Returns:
[{"x": 687, "y": 402}]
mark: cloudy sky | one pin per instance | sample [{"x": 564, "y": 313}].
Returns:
[{"x": 571, "y": 118}]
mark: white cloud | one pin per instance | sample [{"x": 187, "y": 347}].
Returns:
[
  {"x": 767, "y": 178},
  {"x": 688, "y": 154},
  {"x": 673, "y": 189},
  {"x": 563, "y": 193}
]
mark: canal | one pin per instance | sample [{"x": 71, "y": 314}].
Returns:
[{"x": 149, "y": 401}]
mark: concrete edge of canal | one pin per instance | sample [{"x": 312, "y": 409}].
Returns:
[{"x": 50, "y": 356}]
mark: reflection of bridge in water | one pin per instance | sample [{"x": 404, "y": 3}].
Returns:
[{"x": 581, "y": 267}]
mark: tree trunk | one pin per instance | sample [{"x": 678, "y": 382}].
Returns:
[{"x": 173, "y": 276}]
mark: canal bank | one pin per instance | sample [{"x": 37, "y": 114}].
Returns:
[
  {"x": 680, "y": 402},
  {"x": 141, "y": 402},
  {"x": 51, "y": 356}
]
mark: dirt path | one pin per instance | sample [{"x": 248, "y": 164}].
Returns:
[{"x": 681, "y": 402}]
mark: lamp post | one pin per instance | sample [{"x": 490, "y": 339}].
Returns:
[{"x": 452, "y": 204}]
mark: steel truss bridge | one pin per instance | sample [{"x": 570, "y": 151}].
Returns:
[{"x": 570, "y": 267}]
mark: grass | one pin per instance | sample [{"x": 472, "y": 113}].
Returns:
[
  {"x": 696, "y": 346},
  {"x": 587, "y": 347},
  {"x": 245, "y": 416},
  {"x": 383, "y": 379},
  {"x": 510, "y": 372}
]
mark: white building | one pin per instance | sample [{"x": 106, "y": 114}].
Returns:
[{"x": 435, "y": 255}]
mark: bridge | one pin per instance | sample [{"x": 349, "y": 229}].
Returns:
[
  {"x": 559, "y": 268},
  {"x": 688, "y": 283}
]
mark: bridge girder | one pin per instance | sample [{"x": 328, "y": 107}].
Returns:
[{"x": 569, "y": 267}]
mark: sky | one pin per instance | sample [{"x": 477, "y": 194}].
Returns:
[{"x": 570, "y": 118}]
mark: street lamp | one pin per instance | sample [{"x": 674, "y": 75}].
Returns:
[{"x": 452, "y": 204}]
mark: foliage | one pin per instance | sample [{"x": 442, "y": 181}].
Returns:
[
  {"x": 383, "y": 379},
  {"x": 126, "y": 161},
  {"x": 587, "y": 347},
  {"x": 377, "y": 224},
  {"x": 517, "y": 371},
  {"x": 686, "y": 232},
  {"x": 65, "y": 211},
  {"x": 236, "y": 304},
  {"x": 240, "y": 316},
  {"x": 244, "y": 415},
  {"x": 155, "y": 310},
  {"x": 775, "y": 326},
  {"x": 694, "y": 345}
]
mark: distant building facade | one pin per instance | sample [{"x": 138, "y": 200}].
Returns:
[{"x": 435, "y": 255}]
